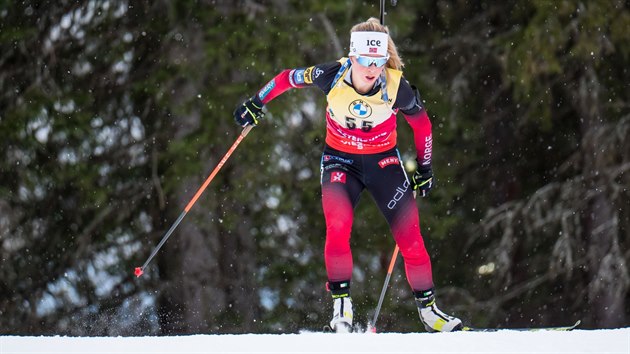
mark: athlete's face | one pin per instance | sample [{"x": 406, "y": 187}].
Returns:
[{"x": 364, "y": 77}]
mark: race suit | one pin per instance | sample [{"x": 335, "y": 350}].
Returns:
[{"x": 361, "y": 153}]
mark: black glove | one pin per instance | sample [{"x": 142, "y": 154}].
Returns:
[
  {"x": 249, "y": 112},
  {"x": 422, "y": 180}
]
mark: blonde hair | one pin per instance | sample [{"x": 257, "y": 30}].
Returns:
[{"x": 374, "y": 25}]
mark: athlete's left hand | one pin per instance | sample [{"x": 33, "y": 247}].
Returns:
[{"x": 422, "y": 180}]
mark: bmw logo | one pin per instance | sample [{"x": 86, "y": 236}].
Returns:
[{"x": 360, "y": 109}]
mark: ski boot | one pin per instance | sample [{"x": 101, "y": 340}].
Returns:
[
  {"x": 342, "y": 315},
  {"x": 342, "y": 307},
  {"x": 432, "y": 318}
]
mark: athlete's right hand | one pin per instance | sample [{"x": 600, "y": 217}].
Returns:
[{"x": 249, "y": 112}]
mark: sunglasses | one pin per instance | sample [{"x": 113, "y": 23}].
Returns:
[{"x": 367, "y": 61}]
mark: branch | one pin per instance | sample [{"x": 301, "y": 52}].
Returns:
[{"x": 330, "y": 30}]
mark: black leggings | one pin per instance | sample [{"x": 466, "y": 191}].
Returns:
[{"x": 343, "y": 178}]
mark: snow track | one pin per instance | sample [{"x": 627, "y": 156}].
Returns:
[{"x": 501, "y": 342}]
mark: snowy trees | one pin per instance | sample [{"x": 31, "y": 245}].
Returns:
[{"x": 547, "y": 77}]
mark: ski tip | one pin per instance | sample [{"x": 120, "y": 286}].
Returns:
[{"x": 138, "y": 272}]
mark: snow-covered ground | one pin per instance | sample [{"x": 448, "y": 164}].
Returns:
[{"x": 501, "y": 342}]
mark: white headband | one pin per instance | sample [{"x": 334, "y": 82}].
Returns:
[{"x": 368, "y": 43}]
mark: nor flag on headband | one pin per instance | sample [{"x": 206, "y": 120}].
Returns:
[{"x": 368, "y": 43}]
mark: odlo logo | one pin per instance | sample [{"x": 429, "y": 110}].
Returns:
[{"x": 400, "y": 192}]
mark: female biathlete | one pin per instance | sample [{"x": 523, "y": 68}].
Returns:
[{"x": 364, "y": 93}]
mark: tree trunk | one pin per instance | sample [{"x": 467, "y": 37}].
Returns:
[{"x": 606, "y": 265}]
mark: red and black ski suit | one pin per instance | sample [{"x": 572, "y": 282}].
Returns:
[{"x": 361, "y": 153}]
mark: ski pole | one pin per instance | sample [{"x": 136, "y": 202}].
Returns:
[
  {"x": 372, "y": 326},
  {"x": 380, "y": 300},
  {"x": 383, "y": 10},
  {"x": 140, "y": 270}
]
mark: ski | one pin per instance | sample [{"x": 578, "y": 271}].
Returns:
[
  {"x": 328, "y": 329},
  {"x": 525, "y": 329}
]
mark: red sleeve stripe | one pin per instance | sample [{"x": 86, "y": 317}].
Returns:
[{"x": 277, "y": 86}]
